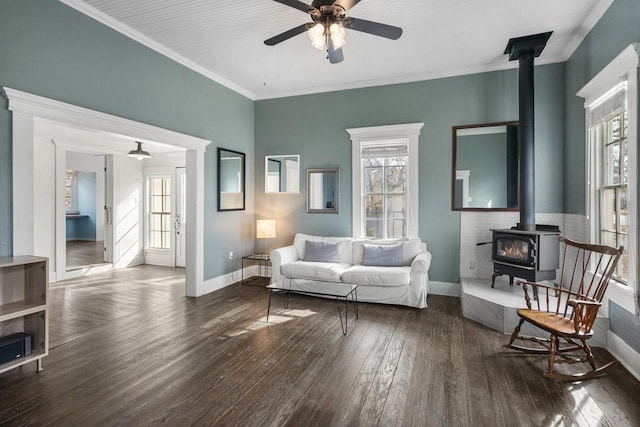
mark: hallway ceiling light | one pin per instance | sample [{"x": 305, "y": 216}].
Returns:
[{"x": 139, "y": 153}]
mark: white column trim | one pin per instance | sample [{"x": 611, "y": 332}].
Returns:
[
  {"x": 194, "y": 246},
  {"x": 23, "y": 201},
  {"x": 26, "y": 107},
  {"x": 61, "y": 229}
]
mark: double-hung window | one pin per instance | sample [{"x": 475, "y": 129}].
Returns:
[
  {"x": 159, "y": 213},
  {"x": 609, "y": 144},
  {"x": 384, "y": 190},
  {"x": 385, "y": 181},
  {"x": 611, "y": 118}
]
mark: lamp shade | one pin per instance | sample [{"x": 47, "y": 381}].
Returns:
[
  {"x": 139, "y": 153},
  {"x": 317, "y": 36},
  {"x": 337, "y": 35},
  {"x": 265, "y": 228}
]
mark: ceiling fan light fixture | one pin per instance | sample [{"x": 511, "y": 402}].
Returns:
[
  {"x": 316, "y": 34},
  {"x": 337, "y": 33},
  {"x": 139, "y": 153}
]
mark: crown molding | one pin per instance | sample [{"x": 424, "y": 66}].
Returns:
[
  {"x": 409, "y": 78},
  {"x": 592, "y": 19},
  {"x": 110, "y": 22},
  {"x": 574, "y": 42}
]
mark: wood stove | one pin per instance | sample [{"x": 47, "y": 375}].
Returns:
[
  {"x": 529, "y": 255},
  {"x": 529, "y": 251}
]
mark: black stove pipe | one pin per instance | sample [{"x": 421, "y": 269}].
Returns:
[
  {"x": 527, "y": 144},
  {"x": 525, "y": 49}
]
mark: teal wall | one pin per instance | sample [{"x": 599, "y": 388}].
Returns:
[
  {"x": 618, "y": 28},
  {"x": 612, "y": 34},
  {"x": 315, "y": 129},
  {"x": 49, "y": 49}
]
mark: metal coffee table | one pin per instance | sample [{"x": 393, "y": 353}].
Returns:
[{"x": 343, "y": 293}]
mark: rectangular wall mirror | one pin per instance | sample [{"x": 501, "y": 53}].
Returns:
[
  {"x": 231, "y": 180},
  {"x": 282, "y": 174},
  {"x": 485, "y": 167},
  {"x": 323, "y": 190}
]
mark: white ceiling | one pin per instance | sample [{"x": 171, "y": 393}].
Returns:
[{"x": 223, "y": 39}]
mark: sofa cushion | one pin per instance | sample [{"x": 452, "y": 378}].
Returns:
[
  {"x": 377, "y": 276},
  {"x": 325, "y": 271},
  {"x": 382, "y": 255},
  {"x": 346, "y": 251},
  {"x": 410, "y": 248},
  {"x": 321, "y": 251}
]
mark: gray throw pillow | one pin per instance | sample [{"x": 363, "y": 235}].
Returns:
[
  {"x": 321, "y": 251},
  {"x": 382, "y": 255}
]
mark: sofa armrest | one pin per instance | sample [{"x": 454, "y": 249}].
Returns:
[
  {"x": 421, "y": 262},
  {"x": 279, "y": 257}
]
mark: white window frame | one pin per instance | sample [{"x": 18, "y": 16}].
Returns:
[
  {"x": 409, "y": 132},
  {"x": 620, "y": 73},
  {"x": 73, "y": 208},
  {"x": 147, "y": 239}
]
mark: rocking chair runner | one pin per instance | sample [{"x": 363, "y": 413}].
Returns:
[{"x": 568, "y": 311}]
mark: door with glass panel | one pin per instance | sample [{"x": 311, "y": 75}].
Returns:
[{"x": 180, "y": 223}]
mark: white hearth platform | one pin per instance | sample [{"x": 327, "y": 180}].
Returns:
[{"x": 496, "y": 308}]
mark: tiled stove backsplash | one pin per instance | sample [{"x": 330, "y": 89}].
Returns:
[{"x": 475, "y": 227}]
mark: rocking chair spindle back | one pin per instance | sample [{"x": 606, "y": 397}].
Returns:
[{"x": 568, "y": 311}]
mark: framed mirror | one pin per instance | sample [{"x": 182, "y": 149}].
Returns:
[
  {"x": 282, "y": 174},
  {"x": 323, "y": 190},
  {"x": 485, "y": 167},
  {"x": 231, "y": 177}
]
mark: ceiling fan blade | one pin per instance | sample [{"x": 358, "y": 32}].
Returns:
[
  {"x": 317, "y": 3},
  {"x": 335, "y": 55},
  {"x": 375, "y": 28},
  {"x": 286, "y": 35},
  {"x": 346, "y": 4},
  {"x": 295, "y": 4}
]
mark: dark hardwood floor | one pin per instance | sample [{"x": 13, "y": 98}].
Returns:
[{"x": 129, "y": 349}]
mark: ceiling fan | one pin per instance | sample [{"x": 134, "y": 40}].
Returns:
[{"x": 327, "y": 30}]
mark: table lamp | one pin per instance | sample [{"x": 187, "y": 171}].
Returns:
[{"x": 265, "y": 229}]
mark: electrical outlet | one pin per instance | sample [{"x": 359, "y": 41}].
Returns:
[
  {"x": 230, "y": 255},
  {"x": 472, "y": 265}
]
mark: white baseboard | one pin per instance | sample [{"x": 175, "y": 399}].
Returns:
[
  {"x": 86, "y": 271},
  {"x": 129, "y": 261},
  {"x": 225, "y": 280},
  {"x": 162, "y": 258},
  {"x": 624, "y": 353},
  {"x": 444, "y": 288},
  {"x": 211, "y": 285}
]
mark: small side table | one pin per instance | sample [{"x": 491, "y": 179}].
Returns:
[{"x": 263, "y": 262}]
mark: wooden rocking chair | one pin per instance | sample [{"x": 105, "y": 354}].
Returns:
[{"x": 569, "y": 310}]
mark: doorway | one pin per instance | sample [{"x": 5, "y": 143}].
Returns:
[
  {"x": 85, "y": 202},
  {"x": 36, "y": 227}
]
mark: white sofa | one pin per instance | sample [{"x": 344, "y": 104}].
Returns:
[{"x": 403, "y": 284}]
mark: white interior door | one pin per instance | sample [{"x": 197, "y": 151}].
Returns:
[{"x": 180, "y": 222}]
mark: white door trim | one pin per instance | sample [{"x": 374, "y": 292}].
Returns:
[{"x": 25, "y": 107}]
